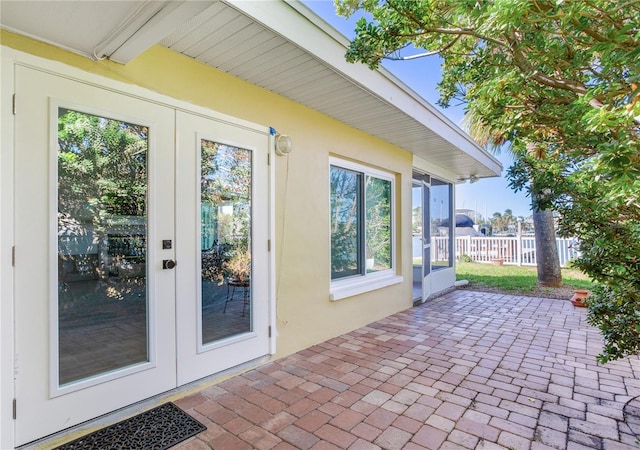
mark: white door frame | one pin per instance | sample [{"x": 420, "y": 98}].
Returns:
[
  {"x": 9, "y": 59},
  {"x": 7, "y": 356}
]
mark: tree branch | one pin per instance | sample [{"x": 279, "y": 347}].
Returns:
[
  {"x": 422, "y": 55},
  {"x": 521, "y": 61}
]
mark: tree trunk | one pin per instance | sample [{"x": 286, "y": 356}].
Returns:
[{"x": 547, "y": 259}]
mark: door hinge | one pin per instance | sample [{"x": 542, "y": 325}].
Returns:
[
  {"x": 268, "y": 159},
  {"x": 15, "y": 408},
  {"x": 13, "y": 107},
  {"x": 269, "y": 245},
  {"x": 269, "y": 336},
  {"x": 13, "y": 256}
]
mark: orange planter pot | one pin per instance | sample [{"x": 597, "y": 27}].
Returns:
[{"x": 579, "y": 297}]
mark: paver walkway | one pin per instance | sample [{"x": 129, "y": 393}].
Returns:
[{"x": 467, "y": 370}]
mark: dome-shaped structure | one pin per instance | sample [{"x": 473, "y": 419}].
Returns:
[
  {"x": 464, "y": 225},
  {"x": 462, "y": 220}
]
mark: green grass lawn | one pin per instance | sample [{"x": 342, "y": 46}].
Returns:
[{"x": 516, "y": 279}]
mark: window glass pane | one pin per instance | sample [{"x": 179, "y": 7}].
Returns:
[
  {"x": 346, "y": 224},
  {"x": 442, "y": 224},
  {"x": 102, "y": 245},
  {"x": 225, "y": 237},
  {"x": 416, "y": 223},
  {"x": 378, "y": 224}
]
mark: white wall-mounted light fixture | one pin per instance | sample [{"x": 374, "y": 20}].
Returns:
[
  {"x": 282, "y": 142},
  {"x": 472, "y": 179},
  {"x": 284, "y": 145}
]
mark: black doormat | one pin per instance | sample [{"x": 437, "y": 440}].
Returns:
[{"x": 159, "y": 428}]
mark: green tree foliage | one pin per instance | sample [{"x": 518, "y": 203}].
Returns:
[
  {"x": 547, "y": 256},
  {"x": 102, "y": 190},
  {"x": 225, "y": 197},
  {"x": 225, "y": 179},
  {"x": 102, "y": 166},
  {"x": 360, "y": 224},
  {"x": 378, "y": 221},
  {"x": 345, "y": 233},
  {"x": 503, "y": 222},
  {"x": 559, "y": 81},
  {"x": 604, "y": 212}
]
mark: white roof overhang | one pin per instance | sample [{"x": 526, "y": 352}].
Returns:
[{"x": 281, "y": 46}]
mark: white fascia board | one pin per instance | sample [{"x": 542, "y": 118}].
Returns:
[{"x": 290, "y": 19}]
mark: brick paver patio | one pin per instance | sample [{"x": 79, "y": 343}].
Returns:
[{"x": 467, "y": 370}]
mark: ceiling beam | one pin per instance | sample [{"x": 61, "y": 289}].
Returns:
[{"x": 147, "y": 26}]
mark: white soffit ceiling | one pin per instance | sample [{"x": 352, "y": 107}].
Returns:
[
  {"x": 79, "y": 26},
  {"x": 281, "y": 46}
]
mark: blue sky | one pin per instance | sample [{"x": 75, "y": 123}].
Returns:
[{"x": 422, "y": 75}]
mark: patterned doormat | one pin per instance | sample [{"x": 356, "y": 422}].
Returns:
[{"x": 159, "y": 428}]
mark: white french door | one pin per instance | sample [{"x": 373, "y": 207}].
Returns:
[
  {"x": 130, "y": 217},
  {"x": 422, "y": 238},
  {"x": 223, "y": 230},
  {"x": 94, "y": 310}
]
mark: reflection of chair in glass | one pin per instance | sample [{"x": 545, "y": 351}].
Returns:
[{"x": 232, "y": 284}]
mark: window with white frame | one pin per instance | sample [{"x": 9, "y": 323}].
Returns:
[{"x": 362, "y": 225}]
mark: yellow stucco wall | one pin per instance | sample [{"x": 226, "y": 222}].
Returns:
[{"x": 305, "y": 315}]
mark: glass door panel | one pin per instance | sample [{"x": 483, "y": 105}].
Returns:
[
  {"x": 102, "y": 235},
  {"x": 225, "y": 237},
  {"x": 416, "y": 238},
  {"x": 426, "y": 230},
  {"x": 442, "y": 224}
]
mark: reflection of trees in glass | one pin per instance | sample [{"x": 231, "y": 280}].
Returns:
[
  {"x": 225, "y": 184},
  {"x": 102, "y": 186},
  {"x": 225, "y": 194},
  {"x": 360, "y": 223},
  {"x": 102, "y": 202},
  {"x": 345, "y": 232},
  {"x": 416, "y": 223},
  {"x": 378, "y": 222},
  {"x": 102, "y": 166}
]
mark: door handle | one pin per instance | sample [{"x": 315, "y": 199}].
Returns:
[{"x": 168, "y": 264}]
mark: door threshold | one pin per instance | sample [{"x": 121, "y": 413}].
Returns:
[{"x": 69, "y": 434}]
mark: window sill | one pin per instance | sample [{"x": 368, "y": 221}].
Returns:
[{"x": 360, "y": 285}]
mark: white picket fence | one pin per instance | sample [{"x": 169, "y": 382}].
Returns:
[{"x": 518, "y": 250}]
